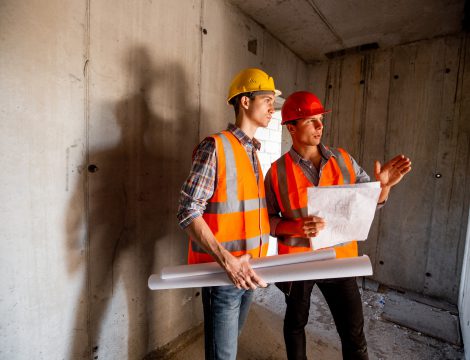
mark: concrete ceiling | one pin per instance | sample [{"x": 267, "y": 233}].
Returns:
[{"x": 313, "y": 28}]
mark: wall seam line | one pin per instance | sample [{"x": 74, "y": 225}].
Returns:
[
  {"x": 86, "y": 178},
  {"x": 386, "y": 145},
  {"x": 201, "y": 51}
]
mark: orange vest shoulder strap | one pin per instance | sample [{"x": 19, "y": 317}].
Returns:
[
  {"x": 344, "y": 162},
  {"x": 279, "y": 180}
]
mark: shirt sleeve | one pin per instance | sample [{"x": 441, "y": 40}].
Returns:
[
  {"x": 272, "y": 205},
  {"x": 200, "y": 184},
  {"x": 362, "y": 177}
]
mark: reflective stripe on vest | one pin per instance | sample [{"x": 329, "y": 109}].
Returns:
[
  {"x": 284, "y": 192},
  {"x": 237, "y": 245},
  {"x": 338, "y": 170},
  {"x": 236, "y": 212},
  {"x": 234, "y": 206},
  {"x": 342, "y": 165},
  {"x": 295, "y": 241}
]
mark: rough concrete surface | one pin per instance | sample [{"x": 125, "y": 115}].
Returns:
[
  {"x": 262, "y": 336},
  {"x": 429, "y": 320},
  {"x": 328, "y": 26},
  {"x": 102, "y": 105}
]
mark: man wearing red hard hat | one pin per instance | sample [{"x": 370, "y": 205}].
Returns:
[{"x": 310, "y": 163}]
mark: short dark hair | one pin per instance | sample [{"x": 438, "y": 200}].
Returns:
[
  {"x": 291, "y": 122},
  {"x": 235, "y": 101}
]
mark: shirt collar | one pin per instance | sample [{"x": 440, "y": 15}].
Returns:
[
  {"x": 324, "y": 151},
  {"x": 242, "y": 137}
]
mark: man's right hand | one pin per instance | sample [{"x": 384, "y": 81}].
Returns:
[
  {"x": 238, "y": 269},
  {"x": 241, "y": 273},
  {"x": 309, "y": 226}
]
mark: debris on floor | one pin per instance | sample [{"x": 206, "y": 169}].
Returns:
[{"x": 262, "y": 337}]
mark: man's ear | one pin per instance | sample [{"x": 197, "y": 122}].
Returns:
[
  {"x": 245, "y": 102},
  {"x": 290, "y": 128}
]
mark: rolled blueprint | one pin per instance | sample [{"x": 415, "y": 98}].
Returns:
[
  {"x": 311, "y": 270},
  {"x": 172, "y": 272}
]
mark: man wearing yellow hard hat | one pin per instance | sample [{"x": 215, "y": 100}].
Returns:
[{"x": 223, "y": 210}]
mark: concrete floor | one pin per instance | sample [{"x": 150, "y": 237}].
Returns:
[{"x": 262, "y": 336}]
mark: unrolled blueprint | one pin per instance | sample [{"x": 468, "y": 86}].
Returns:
[{"x": 347, "y": 209}]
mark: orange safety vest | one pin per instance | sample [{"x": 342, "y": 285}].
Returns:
[
  {"x": 236, "y": 213},
  {"x": 290, "y": 187}
]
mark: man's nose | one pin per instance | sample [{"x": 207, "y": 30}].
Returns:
[{"x": 271, "y": 109}]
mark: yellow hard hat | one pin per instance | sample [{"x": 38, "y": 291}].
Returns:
[{"x": 250, "y": 80}]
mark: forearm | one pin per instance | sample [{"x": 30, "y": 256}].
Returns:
[
  {"x": 384, "y": 194},
  {"x": 200, "y": 232},
  {"x": 391, "y": 173},
  {"x": 288, "y": 228}
]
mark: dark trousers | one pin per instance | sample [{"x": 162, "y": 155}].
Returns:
[{"x": 344, "y": 300}]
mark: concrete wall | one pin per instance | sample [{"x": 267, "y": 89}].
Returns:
[
  {"x": 225, "y": 51},
  {"x": 102, "y": 104},
  {"x": 411, "y": 99}
]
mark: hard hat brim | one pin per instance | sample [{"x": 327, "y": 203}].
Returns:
[
  {"x": 276, "y": 93},
  {"x": 321, "y": 113}
]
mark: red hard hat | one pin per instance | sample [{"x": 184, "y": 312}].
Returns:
[{"x": 301, "y": 104}]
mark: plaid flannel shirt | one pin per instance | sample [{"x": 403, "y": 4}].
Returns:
[{"x": 200, "y": 184}]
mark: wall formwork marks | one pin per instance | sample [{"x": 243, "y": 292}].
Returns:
[
  {"x": 412, "y": 99},
  {"x": 102, "y": 105}
]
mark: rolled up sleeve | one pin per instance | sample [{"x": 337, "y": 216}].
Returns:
[{"x": 200, "y": 184}]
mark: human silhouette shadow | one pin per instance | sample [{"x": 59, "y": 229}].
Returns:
[{"x": 131, "y": 200}]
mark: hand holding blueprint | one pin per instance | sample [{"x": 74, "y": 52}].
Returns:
[{"x": 347, "y": 209}]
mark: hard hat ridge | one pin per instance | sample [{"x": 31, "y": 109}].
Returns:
[
  {"x": 251, "y": 80},
  {"x": 301, "y": 104}
]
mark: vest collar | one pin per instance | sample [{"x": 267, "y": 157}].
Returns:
[
  {"x": 324, "y": 151},
  {"x": 242, "y": 137}
]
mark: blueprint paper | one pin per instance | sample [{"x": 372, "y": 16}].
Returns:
[
  {"x": 172, "y": 272},
  {"x": 311, "y": 270},
  {"x": 347, "y": 209}
]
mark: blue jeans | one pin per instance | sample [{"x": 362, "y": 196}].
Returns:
[{"x": 225, "y": 312}]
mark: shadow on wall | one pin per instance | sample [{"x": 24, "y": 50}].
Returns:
[{"x": 132, "y": 201}]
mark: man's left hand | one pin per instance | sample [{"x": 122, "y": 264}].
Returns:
[{"x": 393, "y": 171}]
